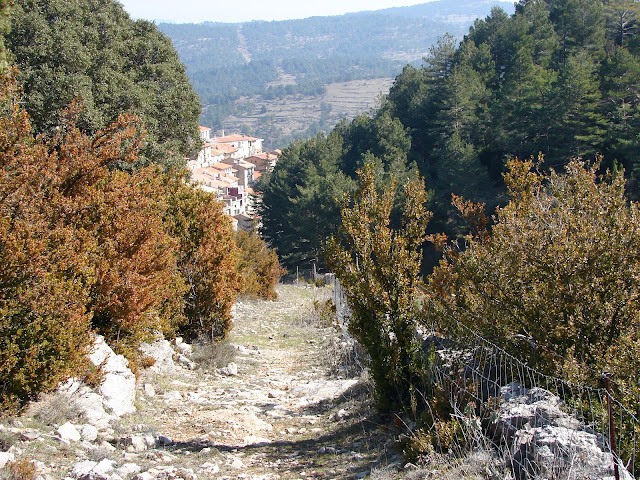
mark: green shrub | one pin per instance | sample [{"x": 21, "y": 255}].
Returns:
[
  {"x": 379, "y": 270},
  {"x": 560, "y": 268}
]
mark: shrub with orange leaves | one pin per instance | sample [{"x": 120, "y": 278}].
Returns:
[
  {"x": 258, "y": 265},
  {"x": 82, "y": 246},
  {"x": 207, "y": 257}
]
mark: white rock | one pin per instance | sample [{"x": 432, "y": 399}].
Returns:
[
  {"x": 173, "y": 395},
  {"x": 230, "y": 370},
  {"x": 149, "y": 390},
  {"x": 68, "y": 433},
  {"x": 119, "y": 386},
  {"x": 144, "y": 476},
  {"x": 162, "y": 353},
  {"x": 129, "y": 469},
  {"x": 544, "y": 438},
  {"x": 89, "y": 402},
  {"x": 211, "y": 468},
  {"x": 89, "y": 433},
  {"x": 184, "y": 361},
  {"x": 6, "y": 457},
  {"x": 83, "y": 469},
  {"x": 184, "y": 348},
  {"x": 104, "y": 466},
  {"x": 140, "y": 443}
]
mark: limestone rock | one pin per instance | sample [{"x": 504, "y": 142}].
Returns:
[
  {"x": 185, "y": 362},
  {"x": 162, "y": 353},
  {"x": 230, "y": 370},
  {"x": 119, "y": 386},
  {"x": 90, "y": 470},
  {"x": 149, "y": 390},
  {"x": 140, "y": 442},
  {"x": 128, "y": 469},
  {"x": 6, "y": 457},
  {"x": 184, "y": 348},
  {"x": 89, "y": 433},
  {"x": 68, "y": 433},
  {"x": 89, "y": 402},
  {"x": 545, "y": 441}
]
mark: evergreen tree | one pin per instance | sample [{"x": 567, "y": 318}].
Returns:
[{"x": 93, "y": 51}]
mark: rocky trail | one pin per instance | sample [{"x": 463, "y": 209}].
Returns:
[{"x": 275, "y": 411}]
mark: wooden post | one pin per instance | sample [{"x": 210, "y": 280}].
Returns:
[{"x": 612, "y": 426}]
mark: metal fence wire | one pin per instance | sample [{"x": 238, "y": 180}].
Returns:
[{"x": 541, "y": 426}]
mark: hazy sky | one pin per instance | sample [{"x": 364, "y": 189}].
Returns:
[{"x": 196, "y": 11}]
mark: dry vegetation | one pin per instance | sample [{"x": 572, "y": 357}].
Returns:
[{"x": 295, "y": 113}]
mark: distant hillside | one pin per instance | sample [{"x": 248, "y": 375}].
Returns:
[{"x": 245, "y": 73}]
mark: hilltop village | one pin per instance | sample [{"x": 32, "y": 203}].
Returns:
[{"x": 229, "y": 166}]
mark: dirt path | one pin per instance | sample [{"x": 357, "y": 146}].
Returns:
[{"x": 281, "y": 416}]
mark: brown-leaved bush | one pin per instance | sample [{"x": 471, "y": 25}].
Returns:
[
  {"x": 206, "y": 258},
  {"x": 556, "y": 280},
  {"x": 258, "y": 266},
  {"x": 45, "y": 277}
]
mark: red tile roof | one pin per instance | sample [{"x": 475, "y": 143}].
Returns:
[{"x": 236, "y": 137}]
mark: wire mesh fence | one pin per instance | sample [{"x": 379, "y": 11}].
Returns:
[{"x": 540, "y": 425}]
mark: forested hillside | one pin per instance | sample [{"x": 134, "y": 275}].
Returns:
[
  {"x": 556, "y": 77},
  {"x": 239, "y": 69}
]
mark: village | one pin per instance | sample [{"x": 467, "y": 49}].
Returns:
[{"x": 229, "y": 166}]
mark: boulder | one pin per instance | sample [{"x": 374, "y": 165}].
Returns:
[
  {"x": 89, "y": 433},
  {"x": 68, "y": 433},
  {"x": 545, "y": 441},
  {"x": 119, "y": 386},
  {"x": 110, "y": 400},
  {"x": 162, "y": 353}
]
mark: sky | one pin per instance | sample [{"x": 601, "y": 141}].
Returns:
[{"x": 196, "y": 11}]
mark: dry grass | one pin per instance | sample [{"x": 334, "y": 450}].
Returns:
[
  {"x": 19, "y": 470},
  {"x": 56, "y": 409},
  {"x": 209, "y": 356}
]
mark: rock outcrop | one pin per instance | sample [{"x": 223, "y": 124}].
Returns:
[
  {"x": 114, "y": 397},
  {"x": 545, "y": 441}
]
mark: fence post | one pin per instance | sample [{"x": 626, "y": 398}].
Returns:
[{"x": 612, "y": 426}]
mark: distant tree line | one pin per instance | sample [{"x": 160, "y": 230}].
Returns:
[{"x": 226, "y": 62}]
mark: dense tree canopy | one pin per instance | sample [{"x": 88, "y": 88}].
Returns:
[
  {"x": 300, "y": 204},
  {"x": 92, "y": 50},
  {"x": 558, "y": 77}
]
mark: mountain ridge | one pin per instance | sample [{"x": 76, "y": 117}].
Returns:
[{"x": 239, "y": 69}]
